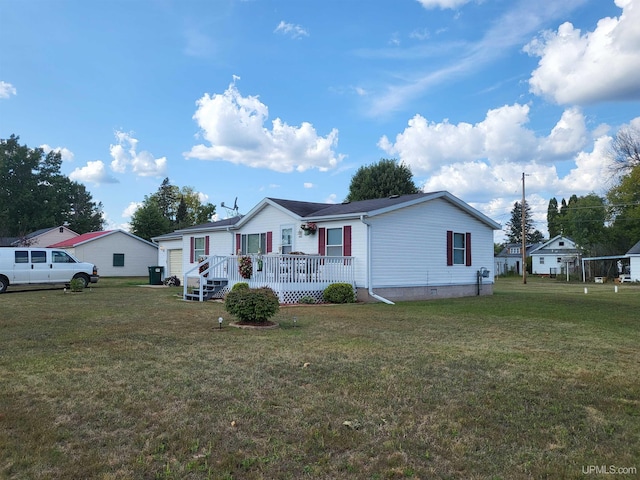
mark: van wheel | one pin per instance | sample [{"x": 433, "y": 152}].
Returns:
[
  {"x": 4, "y": 283},
  {"x": 85, "y": 280}
]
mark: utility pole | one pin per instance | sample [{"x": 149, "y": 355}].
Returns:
[{"x": 524, "y": 238}]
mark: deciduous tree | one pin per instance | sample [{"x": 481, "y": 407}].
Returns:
[
  {"x": 34, "y": 194},
  {"x": 380, "y": 180}
]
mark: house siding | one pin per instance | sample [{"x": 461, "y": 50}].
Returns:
[
  {"x": 53, "y": 236},
  {"x": 634, "y": 268},
  {"x": 551, "y": 252},
  {"x": 424, "y": 262},
  {"x": 138, "y": 255}
]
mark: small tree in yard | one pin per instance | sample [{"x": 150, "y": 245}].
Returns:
[{"x": 252, "y": 305}]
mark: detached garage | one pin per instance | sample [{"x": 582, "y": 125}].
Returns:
[{"x": 117, "y": 253}]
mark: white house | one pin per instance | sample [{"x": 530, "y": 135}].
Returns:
[
  {"x": 509, "y": 260},
  {"x": 634, "y": 263},
  {"x": 117, "y": 253},
  {"x": 420, "y": 246},
  {"x": 555, "y": 256}
]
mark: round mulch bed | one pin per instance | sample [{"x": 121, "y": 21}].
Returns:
[{"x": 255, "y": 326}]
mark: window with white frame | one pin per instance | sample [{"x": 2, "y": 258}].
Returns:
[
  {"x": 459, "y": 248},
  {"x": 334, "y": 246},
  {"x": 286, "y": 240},
  {"x": 541, "y": 260},
  {"x": 514, "y": 250},
  {"x": 198, "y": 247},
  {"x": 253, "y": 243}
]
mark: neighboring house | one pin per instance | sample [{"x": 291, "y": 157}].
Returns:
[
  {"x": 40, "y": 238},
  {"x": 509, "y": 260},
  {"x": 117, "y": 253},
  {"x": 555, "y": 257},
  {"x": 408, "y": 247}
]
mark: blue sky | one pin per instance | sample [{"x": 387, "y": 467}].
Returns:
[{"x": 286, "y": 99}]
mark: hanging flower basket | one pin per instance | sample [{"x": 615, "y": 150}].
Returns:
[
  {"x": 309, "y": 228},
  {"x": 245, "y": 266}
]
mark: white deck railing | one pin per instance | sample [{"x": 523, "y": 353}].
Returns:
[{"x": 282, "y": 273}]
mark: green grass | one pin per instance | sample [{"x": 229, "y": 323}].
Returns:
[{"x": 536, "y": 381}]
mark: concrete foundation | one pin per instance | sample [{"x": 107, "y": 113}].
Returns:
[{"x": 431, "y": 292}]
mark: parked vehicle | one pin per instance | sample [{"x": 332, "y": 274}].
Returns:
[{"x": 22, "y": 265}]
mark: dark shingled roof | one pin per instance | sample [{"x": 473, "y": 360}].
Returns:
[
  {"x": 308, "y": 209},
  {"x": 635, "y": 250},
  {"x": 220, "y": 223}
]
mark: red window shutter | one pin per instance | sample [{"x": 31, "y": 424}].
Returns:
[
  {"x": 269, "y": 242},
  {"x": 238, "y": 242},
  {"x": 322, "y": 241},
  {"x": 206, "y": 245},
  {"x": 346, "y": 240},
  {"x": 193, "y": 241},
  {"x": 449, "y": 247},
  {"x": 468, "y": 252}
]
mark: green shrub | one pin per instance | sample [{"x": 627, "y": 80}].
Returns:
[
  {"x": 76, "y": 285},
  {"x": 240, "y": 286},
  {"x": 252, "y": 305},
  {"x": 307, "y": 300},
  {"x": 339, "y": 293}
]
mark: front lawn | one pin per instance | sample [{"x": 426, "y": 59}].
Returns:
[{"x": 537, "y": 381}]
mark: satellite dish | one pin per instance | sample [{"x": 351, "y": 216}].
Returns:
[{"x": 232, "y": 211}]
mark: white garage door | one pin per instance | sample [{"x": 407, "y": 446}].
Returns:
[{"x": 175, "y": 263}]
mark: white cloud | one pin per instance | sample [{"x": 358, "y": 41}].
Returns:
[
  {"x": 294, "y": 31},
  {"x": 568, "y": 136},
  {"x": 124, "y": 154},
  {"x": 235, "y": 128},
  {"x": 65, "y": 153},
  {"x": 483, "y": 162},
  {"x": 443, "y": 4},
  {"x": 592, "y": 172},
  {"x": 501, "y": 137},
  {"x": 131, "y": 209},
  {"x": 597, "y": 66},
  {"x": 93, "y": 172},
  {"x": 6, "y": 90},
  {"x": 308, "y": 185}
]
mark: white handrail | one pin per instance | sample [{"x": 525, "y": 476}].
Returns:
[{"x": 280, "y": 272}]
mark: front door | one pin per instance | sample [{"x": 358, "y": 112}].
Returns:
[{"x": 62, "y": 267}]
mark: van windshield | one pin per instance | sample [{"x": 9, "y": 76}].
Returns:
[{"x": 62, "y": 257}]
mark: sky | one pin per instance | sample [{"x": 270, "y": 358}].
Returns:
[{"x": 250, "y": 99}]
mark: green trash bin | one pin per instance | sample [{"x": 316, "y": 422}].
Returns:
[{"x": 155, "y": 275}]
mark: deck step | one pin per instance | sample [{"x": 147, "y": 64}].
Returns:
[{"x": 210, "y": 289}]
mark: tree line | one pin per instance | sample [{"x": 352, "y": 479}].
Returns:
[
  {"x": 34, "y": 195},
  {"x": 600, "y": 225}
]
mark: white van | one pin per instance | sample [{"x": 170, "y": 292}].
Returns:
[{"x": 25, "y": 265}]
